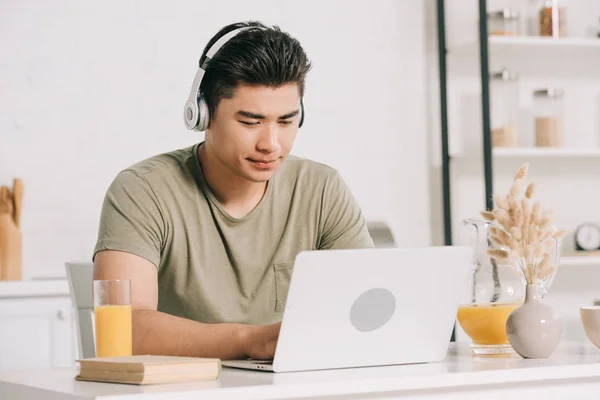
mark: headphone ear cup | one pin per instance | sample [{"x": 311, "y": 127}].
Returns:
[
  {"x": 203, "y": 114},
  {"x": 301, "y": 113},
  {"x": 190, "y": 115}
]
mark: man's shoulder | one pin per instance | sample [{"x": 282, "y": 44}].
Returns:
[
  {"x": 163, "y": 162},
  {"x": 297, "y": 168},
  {"x": 168, "y": 166}
]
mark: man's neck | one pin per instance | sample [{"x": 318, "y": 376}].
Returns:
[{"x": 237, "y": 195}]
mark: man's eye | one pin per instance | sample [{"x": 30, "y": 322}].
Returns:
[
  {"x": 287, "y": 122},
  {"x": 249, "y": 123}
]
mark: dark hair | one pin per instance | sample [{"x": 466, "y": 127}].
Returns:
[{"x": 260, "y": 55}]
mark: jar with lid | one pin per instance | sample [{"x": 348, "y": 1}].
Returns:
[
  {"x": 548, "y": 108},
  {"x": 503, "y": 22},
  {"x": 552, "y": 18},
  {"x": 504, "y": 110}
]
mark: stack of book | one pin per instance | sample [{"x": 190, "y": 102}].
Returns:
[{"x": 145, "y": 370}]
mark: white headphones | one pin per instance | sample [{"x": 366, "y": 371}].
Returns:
[{"x": 196, "y": 114}]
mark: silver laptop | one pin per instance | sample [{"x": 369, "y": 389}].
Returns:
[{"x": 369, "y": 307}]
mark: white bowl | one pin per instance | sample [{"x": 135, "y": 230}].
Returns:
[{"x": 590, "y": 318}]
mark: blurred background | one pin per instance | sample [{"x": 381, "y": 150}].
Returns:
[{"x": 88, "y": 88}]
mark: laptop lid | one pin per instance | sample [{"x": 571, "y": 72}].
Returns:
[{"x": 367, "y": 307}]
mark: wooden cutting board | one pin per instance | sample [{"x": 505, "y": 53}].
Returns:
[{"x": 10, "y": 235}]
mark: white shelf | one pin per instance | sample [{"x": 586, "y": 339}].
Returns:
[
  {"x": 537, "y": 152},
  {"x": 534, "y": 41},
  {"x": 531, "y": 44},
  {"x": 534, "y": 153},
  {"x": 578, "y": 261}
]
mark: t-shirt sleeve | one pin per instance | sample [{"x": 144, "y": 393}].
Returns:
[
  {"x": 344, "y": 226},
  {"x": 131, "y": 220}
]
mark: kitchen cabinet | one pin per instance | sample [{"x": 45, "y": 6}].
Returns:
[{"x": 37, "y": 325}]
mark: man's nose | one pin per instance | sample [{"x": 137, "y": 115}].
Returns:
[{"x": 269, "y": 139}]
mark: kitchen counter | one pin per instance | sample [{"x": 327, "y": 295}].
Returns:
[
  {"x": 573, "y": 371},
  {"x": 34, "y": 288}
]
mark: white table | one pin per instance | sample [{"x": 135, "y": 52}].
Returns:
[{"x": 572, "y": 372}]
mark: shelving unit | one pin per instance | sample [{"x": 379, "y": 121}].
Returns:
[{"x": 581, "y": 53}]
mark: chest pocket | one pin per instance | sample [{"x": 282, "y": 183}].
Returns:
[{"x": 283, "y": 275}]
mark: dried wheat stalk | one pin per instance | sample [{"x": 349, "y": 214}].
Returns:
[
  {"x": 530, "y": 190},
  {"x": 524, "y": 233},
  {"x": 501, "y": 202}
]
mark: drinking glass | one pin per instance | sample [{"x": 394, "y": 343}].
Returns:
[{"x": 112, "y": 316}]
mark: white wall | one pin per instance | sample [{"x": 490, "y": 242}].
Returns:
[{"x": 88, "y": 88}]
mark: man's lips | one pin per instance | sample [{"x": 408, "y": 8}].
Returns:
[
  {"x": 262, "y": 161},
  {"x": 263, "y": 164}
]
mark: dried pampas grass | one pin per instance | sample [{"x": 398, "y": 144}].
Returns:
[{"x": 524, "y": 232}]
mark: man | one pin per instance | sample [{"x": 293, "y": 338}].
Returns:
[{"x": 208, "y": 234}]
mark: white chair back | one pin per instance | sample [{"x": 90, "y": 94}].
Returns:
[
  {"x": 381, "y": 234},
  {"x": 80, "y": 276}
]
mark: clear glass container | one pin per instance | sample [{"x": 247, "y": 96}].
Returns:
[
  {"x": 503, "y": 22},
  {"x": 112, "y": 317},
  {"x": 552, "y": 18},
  {"x": 493, "y": 292},
  {"x": 548, "y": 109},
  {"x": 495, "y": 289},
  {"x": 504, "y": 109}
]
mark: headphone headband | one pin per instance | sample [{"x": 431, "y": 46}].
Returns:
[
  {"x": 196, "y": 114},
  {"x": 220, "y": 43}
]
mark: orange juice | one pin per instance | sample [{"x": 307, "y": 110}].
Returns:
[
  {"x": 113, "y": 330},
  {"x": 486, "y": 323}
]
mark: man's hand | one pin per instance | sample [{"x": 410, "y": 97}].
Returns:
[{"x": 260, "y": 341}]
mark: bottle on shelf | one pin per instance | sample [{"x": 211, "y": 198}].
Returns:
[
  {"x": 552, "y": 18},
  {"x": 548, "y": 108},
  {"x": 504, "y": 108},
  {"x": 503, "y": 22}
]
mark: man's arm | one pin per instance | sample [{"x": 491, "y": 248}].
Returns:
[{"x": 158, "y": 333}]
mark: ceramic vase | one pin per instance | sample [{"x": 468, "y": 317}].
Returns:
[{"x": 534, "y": 329}]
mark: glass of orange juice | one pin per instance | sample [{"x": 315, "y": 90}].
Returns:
[{"x": 112, "y": 317}]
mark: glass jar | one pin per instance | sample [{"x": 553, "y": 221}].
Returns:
[
  {"x": 504, "y": 110},
  {"x": 503, "y": 22},
  {"x": 552, "y": 18},
  {"x": 548, "y": 109}
]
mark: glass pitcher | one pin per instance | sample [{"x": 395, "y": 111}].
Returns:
[
  {"x": 493, "y": 292},
  {"x": 495, "y": 289}
]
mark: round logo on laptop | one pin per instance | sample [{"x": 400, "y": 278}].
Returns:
[{"x": 372, "y": 309}]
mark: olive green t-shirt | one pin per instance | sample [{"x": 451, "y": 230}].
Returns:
[{"x": 213, "y": 267}]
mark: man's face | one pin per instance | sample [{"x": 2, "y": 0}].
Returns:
[{"x": 252, "y": 132}]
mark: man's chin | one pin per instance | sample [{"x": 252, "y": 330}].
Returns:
[{"x": 259, "y": 177}]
